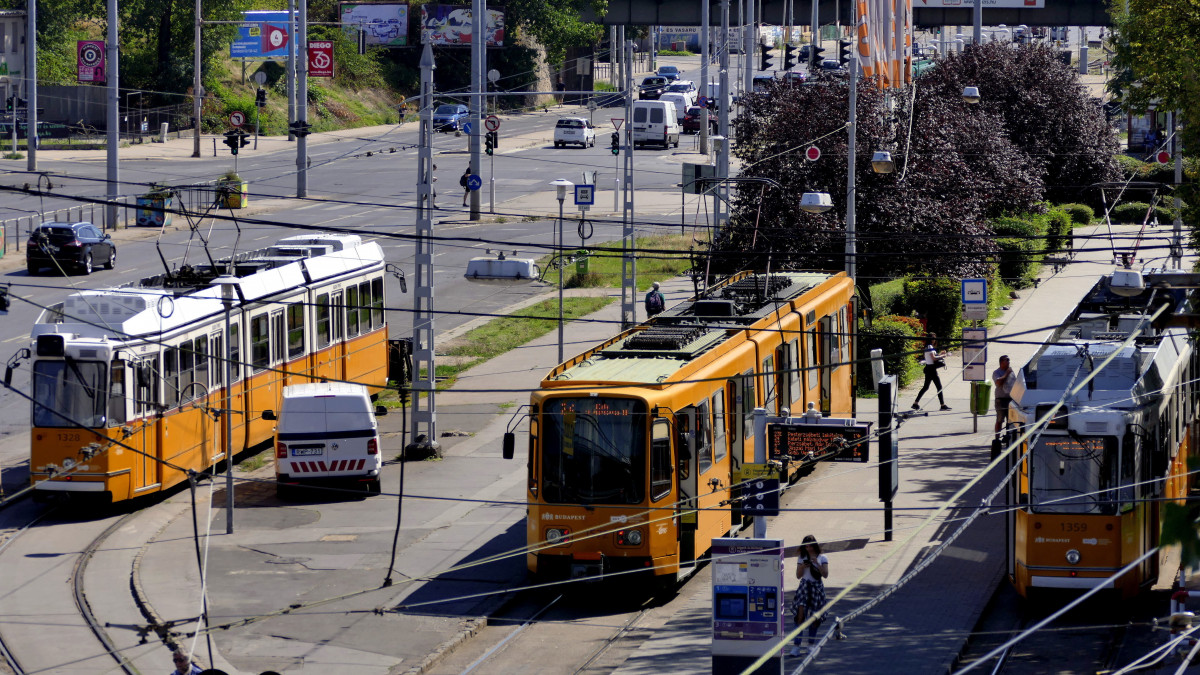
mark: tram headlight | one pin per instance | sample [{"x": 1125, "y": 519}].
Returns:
[
  {"x": 1073, "y": 557},
  {"x": 557, "y": 535},
  {"x": 630, "y": 537}
]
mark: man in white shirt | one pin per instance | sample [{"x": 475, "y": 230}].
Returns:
[{"x": 1003, "y": 378}]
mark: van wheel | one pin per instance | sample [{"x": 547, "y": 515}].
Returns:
[
  {"x": 677, "y": 141},
  {"x": 284, "y": 492}
]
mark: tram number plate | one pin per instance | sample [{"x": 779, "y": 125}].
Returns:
[{"x": 307, "y": 450}]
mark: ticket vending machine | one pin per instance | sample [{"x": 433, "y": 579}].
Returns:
[{"x": 748, "y": 604}]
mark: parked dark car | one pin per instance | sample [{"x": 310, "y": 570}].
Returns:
[
  {"x": 450, "y": 117},
  {"x": 63, "y": 246},
  {"x": 652, "y": 87},
  {"x": 694, "y": 117}
]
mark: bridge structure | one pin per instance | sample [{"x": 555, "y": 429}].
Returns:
[{"x": 926, "y": 13}]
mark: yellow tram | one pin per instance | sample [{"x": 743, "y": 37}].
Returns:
[
  {"x": 1089, "y": 490},
  {"x": 128, "y": 382},
  {"x": 634, "y": 444}
]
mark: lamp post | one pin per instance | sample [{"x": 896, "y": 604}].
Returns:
[
  {"x": 229, "y": 286},
  {"x": 561, "y": 185}
]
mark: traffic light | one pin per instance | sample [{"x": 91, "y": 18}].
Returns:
[
  {"x": 489, "y": 142},
  {"x": 8, "y": 103},
  {"x": 231, "y": 139},
  {"x": 844, "y": 52},
  {"x": 789, "y": 57},
  {"x": 243, "y": 139},
  {"x": 616, "y": 143},
  {"x": 260, "y": 99},
  {"x": 764, "y": 57},
  {"x": 815, "y": 58},
  {"x": 299, "y": 129}
]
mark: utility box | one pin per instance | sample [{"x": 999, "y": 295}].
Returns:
[{"x": 981, "y": 398}]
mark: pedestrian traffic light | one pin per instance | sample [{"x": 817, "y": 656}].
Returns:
[
  {"x": 764, "y": 57},
  {"x": 488, "y": 143},
  {"x": 789, "y": 57},
  {"x": 260, "y": 98},
  {"x": 815, "y": 58},
  {"x": 231, "y": 139},
  {"x": 616, "y": 143},
  {"x": 844, "y": 52}
]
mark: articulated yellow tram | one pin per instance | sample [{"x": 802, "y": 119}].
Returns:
[
  {"x": 127, "y": 382},
  {"x": 634, "y": 444},
  {"x": 1090, "y": 489}
]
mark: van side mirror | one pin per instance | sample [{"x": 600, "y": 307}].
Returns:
[
  {"x": 380, "y": 410},
  {"x": 268, "y": 415},
  {"x": 510, "y": 444}
]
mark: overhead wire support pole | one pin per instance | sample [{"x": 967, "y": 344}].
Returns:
[
  {"x": 478, "y": 42},
  {"x": 705, "y": 40},
  {"x": 291, "y": 67},
  {"x": 628, "y": 243},
  {"x": 424, "y": 412},
  {"x": 31, "y": 86},
  {"x": 113, "y": 135},
  {"x": 197, "y": 88},
  {"x": 719, "y": 205},
  {"x": 851, "y": 128},
  {"x": 301, "y": 65}
]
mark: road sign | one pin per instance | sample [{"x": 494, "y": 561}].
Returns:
[
  {"x": 617, "y": 122},
  {"x": 467, "y": 128},
  {"x": 974, "y": 291},
  {"x": 492, "y": 123},
  {"x": 260, "y": 78},
  {"x": 237, "y": 118},
  {"x": 1163, "y": 157},
  {"x": 474, "y": 182},
  {"x": 702, "y": 101},
  {"x": 585, "y": 195},
  {"x": 813, "y": 153},
  {"x": 974, "y": 354},
  {"x": 320, "y": 58}
]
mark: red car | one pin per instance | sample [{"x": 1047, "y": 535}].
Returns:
[{"x": 693, "y": 118}]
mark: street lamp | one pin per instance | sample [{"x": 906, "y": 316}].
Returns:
[
  {"x": 882, "y": 162},
  {"x": 971, "y": 95},
  {"x": 561, "y": 185}
]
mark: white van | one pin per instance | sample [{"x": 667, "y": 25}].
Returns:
[
  {"x": 682, "y": 103},
  {"x": 655, "y": 122},
  {"x": 326, "y": 434}
]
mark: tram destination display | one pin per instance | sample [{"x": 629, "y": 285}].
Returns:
[{"x": 815, "y": 442}]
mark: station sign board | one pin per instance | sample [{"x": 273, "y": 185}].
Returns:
[{"x": 807, "y": 443}]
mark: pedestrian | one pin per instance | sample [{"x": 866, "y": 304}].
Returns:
[
  {"x": 932, "y": 360},
  {"x": 812, "y": 568},
  {"x": 465, "y": 182},
  {"x": 184, "y": 665},
  {"x": 560, "y": 88},
  {"x": 655, "y": 302},
  {"x": 1003, "y": 378},
  {"x": 1151, "y": 140}
]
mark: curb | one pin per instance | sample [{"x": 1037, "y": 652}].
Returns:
[{"x": 469, "y": 629}]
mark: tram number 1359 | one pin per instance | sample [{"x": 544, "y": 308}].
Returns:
[{"x": 1073, "y": 527}]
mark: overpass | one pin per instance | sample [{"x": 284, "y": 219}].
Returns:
[{"x": 926, "y": 13}]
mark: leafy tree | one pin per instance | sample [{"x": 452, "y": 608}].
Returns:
[
  {"x": 1044, "y": 108},
  {"x": 555, "y": 24}
]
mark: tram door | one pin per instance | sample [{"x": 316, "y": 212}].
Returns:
[
  {"x": 825, "y": 358},
  {"x": 688, "y": 470},
  {"x": 148, "y": 440}
]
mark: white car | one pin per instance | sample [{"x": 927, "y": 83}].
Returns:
[{"x": 574, "y": 131}]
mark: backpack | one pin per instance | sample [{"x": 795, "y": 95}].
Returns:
[
  {"x": 463, "y": 180},
  {"x": 654, "y": 302}
]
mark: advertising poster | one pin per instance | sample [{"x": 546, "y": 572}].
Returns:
[
  {"x": 263, "y": 36},
  {"x": 450, "y": 25},
  {"x": 90, "y": 65},
  {"x": 383, "y": 24},
  {"x": 320, "y": 58}
]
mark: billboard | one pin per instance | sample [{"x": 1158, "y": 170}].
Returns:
[
  {"x": 320, "y": 58},
  {"x": 263, "y": 36},
  {"x": 987, "y": 4},
  {"x": 383, "y": 24},
  {"x": 450, "y": 25},
  {"x": 89, "y": 65}
]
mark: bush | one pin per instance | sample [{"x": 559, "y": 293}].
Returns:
[
  {"x": 888, "y": 297},
  {"x": 1021, "y": 244},
  {"x": 1081, "y": 214},
  {"x": 1060, "y": 226},
  {"x": 1135, "y": 213},
  {"x": 939, "y": 301},
  {"x": 895, "y": 337}
]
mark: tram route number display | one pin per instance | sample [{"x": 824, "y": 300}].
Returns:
[{"x": 807, "y": 443}]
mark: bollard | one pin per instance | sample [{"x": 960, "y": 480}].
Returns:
[
  {"x": 214, "y": 140},
  {"x": 162, "y": 132}
]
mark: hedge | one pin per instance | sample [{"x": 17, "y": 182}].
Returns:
[
  {"x": 1135, "y": 213},
  {"x": 888, "y": 297},
  {"x": 897, "y": 340},
  {"x": 1021, "y": 244},
  {"x": 1081, "y": 214},
  {"x": 938, "y": 300},
  {"x": 1059, "y": 228}
]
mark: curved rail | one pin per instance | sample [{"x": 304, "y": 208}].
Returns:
[{"x": 81, "y": 602}]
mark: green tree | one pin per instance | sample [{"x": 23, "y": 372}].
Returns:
[{"x": 555, "y": 24}]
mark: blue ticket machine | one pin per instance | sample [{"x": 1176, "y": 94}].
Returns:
[{"x": 748, "y": 604}]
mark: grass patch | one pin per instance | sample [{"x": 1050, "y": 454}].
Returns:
[
  {"x": 256, "y": 462},
  {"x": 502, "y": 335},
  {"x": 669, "y": 258}
]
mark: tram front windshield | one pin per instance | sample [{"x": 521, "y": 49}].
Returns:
[
  {"x": 69, "y": 393},
  {"x": 594, "y": 451},
  {"x": 1074, "y": 474}
]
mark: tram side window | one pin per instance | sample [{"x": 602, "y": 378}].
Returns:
[
  {"x": 810, "y": 372},
  {"x": 748, "y": 402},
  {"x": 200, "y": 346},
  {"x": 145, "y": 393},
  {"x": 323, "y": 325},
  {"x": 719, "y": 424},
  {"x": 170, "y": 377},
  {"x": 660, "y": 460},
  {"x": 187, "y": 365},
  {"x": 235, "y": 350},
  {"x": 364, "y": 311},
  {"x": 217, "y": 360},
  {"x": 295, "y": 330},
  {"x": 352, "y": 311},
  {"x": 533, "y": 447},
  {"x": 704, "y": 437},
  {"x": 377, "y": 302},
  {"x": 278, "y": 338},
  {"x": 339, "y": 318},
  {"x": 116, "y": 395},
  {"x": 260, "y": 342},
  {"x": 768, "y": 370},
  {"x": 793, "y": 355}
]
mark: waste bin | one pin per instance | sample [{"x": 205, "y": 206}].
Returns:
[
  {"x": 981, "y": 398},
  {"x": 581, "y": 262}
]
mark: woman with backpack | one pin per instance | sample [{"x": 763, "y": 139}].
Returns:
[
  {"x": 464, "y": 181},
  {"x": 932, "y": 360}
]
